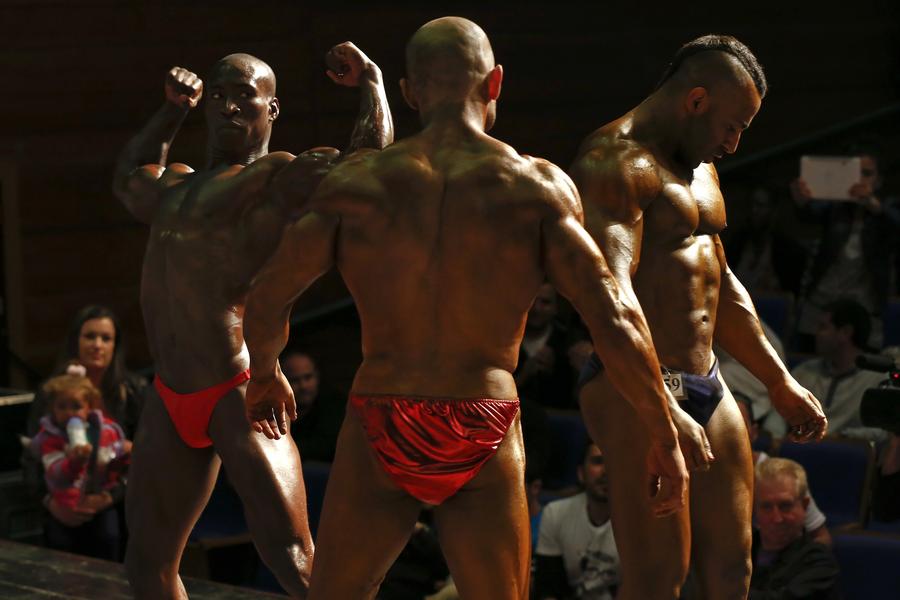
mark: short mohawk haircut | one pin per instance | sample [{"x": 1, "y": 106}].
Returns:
[{"x": 719, "y": 43}]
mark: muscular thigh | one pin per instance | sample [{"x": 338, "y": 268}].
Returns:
[
  {"x": 617, "y": 430},
  {"x": 265, "y": 472},
  {"x": 169, "y": 482},
  {"x": 721, "y": 498},
  {"x": 366, "y": 521},
  {"x": 484, "y": 528}
]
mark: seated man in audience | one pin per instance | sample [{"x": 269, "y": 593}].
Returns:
[
  {"x": 576, "y": 551},
  {"x": 814, "y": 524},
  {"x": 853, "y": 254},
  {"x": 321, "y": 411},
  {"x": 786, "y": 562},
  {"x": 832, "y": 376}
]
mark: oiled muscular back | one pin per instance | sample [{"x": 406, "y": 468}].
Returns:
[{"x": 440, "y": 246}]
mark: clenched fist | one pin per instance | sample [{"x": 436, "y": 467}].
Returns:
[
  {"x": 347, "y": 63},
  {"x": 183, "y": 88}
]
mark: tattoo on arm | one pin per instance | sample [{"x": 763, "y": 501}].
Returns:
[{"x": 374, "y": 126}]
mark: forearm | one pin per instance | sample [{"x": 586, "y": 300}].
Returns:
[
  {"x": 374, "y": 126},
  {"x": 305, "y": 253},
  {"x": 739, "y": 332},
  {"x": 151, "y": 145},
  {"x": 266, "y": 330}
]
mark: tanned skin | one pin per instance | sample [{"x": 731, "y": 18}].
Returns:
[
  {"x": 211, "y": 231},
  {"x": 444, "y": 239},
  {"x": 652, "y": 202}
]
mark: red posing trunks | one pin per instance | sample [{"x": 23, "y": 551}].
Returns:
[
  {"x": 431, "y": 447},
  {"x": 190, "y": 413}
]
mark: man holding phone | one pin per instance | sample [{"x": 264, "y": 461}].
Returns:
[{"x": 853, "y": 258}]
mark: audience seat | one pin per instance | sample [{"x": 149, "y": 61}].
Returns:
[
  {"x": 315, "y": 476},
  {"x": 870, "y": 565},
  {"x": 840, "y": 472},
  {"x": 774, "y": 309},
  {"x": 892, "y": 527},
  {"x": 219, "y": 545}
]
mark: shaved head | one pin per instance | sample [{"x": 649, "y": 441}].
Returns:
[
  {"x": 450, "y": 54},
  {"x": 248, "y": 67},
  {"x": 713, "y": 59}
]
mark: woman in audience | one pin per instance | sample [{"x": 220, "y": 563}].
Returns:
[{"x": 94, "y": 341}]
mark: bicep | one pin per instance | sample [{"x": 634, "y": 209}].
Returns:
[{"x": 141, "y": 189}]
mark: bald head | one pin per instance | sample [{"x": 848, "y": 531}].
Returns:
[
  {"x": 712, "y": 60},
  {"x": 240, "y": 107},
  {"x": 247, "y": 68},
  {"x": 450, "y": 54}
]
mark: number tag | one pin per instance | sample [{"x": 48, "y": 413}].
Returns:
[{"x": 675, "y": 384}]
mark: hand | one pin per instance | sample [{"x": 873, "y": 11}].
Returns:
[
  {"x": 862, "y": 193},
  {"x": 96, "y": 502},
  {"x": 70, "y": 517},
  {"x": 183, "y": 88},
  {"x": 861, "y": 190},
  {"x": 269, "y": 403},
  {"x": 800, "y": 409},
  {"x": 79, "y": 454},
  {"x": 127, "y": 446},
  {"x": 347, "y": 63},
  {"x": 668, "y": 478},
  {"x": 692, "y": 439},
  {"x": 800, "y": 191}
]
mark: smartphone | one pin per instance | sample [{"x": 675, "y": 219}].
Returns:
[{"x": 830, "y": 177}]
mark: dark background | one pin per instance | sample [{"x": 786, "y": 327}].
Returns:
[{"x": 79, "y": 77}]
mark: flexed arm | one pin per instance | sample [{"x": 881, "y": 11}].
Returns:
[
  {"x": 578, "y": 270},
  {"x": 373, "y": 129},
  {"x": 142, "y": 162},
  {"x": 349, "y": 66}
]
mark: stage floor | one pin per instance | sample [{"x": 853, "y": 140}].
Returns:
[{"x": 32, "y": 573}]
